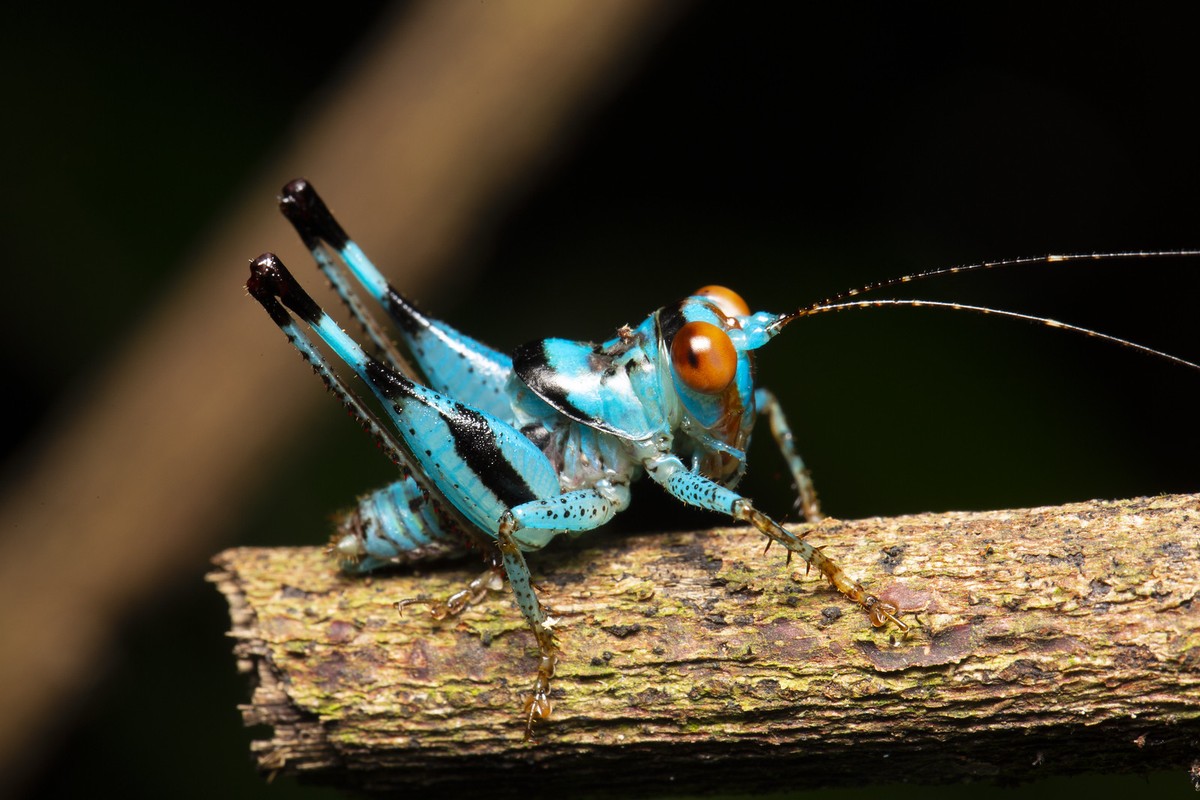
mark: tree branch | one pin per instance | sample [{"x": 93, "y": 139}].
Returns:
[{"x": 1044, "y": 641}]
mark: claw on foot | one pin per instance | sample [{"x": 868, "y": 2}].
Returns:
[
  {"x": 438, "y": 609},
  {"x": 881, "y": 613},
  {"x": 400, "y": 605},
  {"x": 477, "y": 590},
  {"x": 538, "y": 705}
]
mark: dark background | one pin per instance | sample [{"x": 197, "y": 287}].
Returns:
[{"x": 788, "y": 154}]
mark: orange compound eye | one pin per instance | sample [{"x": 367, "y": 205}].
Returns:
[
  {"x": 704, "y": 358},
  {"x": 729, "y": 301}
]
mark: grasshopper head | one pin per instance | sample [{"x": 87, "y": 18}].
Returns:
[{"x": 707, "y": 340}]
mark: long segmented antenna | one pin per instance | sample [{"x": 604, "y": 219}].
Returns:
[
  {"x": 999, "y": 312},
  {"x": 841, "y": 301},
  {"x": 1063, "y": 258}
]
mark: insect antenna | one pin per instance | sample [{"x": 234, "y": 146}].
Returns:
[
  {"x": 842, "y": 301},
  {"x": 1062, "y": 258}
]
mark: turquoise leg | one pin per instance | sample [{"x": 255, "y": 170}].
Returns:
[
  {"x": 766, "y": 403},
  {"x": 696, "y": 490}
]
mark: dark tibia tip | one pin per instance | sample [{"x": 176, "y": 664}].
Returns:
[
  {"x": 309, "y": 215},
  {"x": 261, "y": 286},
  {"x": 270, "y": 279},
  {"x": 267, "y": 274}
]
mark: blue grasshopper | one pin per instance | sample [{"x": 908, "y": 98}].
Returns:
[
  {"x": 507, "y": 453},
  {"x": 502, "y": 454}
]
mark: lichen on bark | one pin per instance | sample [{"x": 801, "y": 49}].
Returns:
[{"x": 1043, "y": 641}]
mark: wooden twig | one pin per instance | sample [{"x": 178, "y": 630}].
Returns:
[{"x": 1043, "y": 641}]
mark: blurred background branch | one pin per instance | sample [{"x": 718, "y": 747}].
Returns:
[{"x": 452, "y": 107}]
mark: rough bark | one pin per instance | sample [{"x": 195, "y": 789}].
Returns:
[{"x": 1043, "y": 641}]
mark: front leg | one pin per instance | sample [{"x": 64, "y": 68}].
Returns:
[
  {"x": 697, "y": 490},
  {"x": 806, "y": 494}
]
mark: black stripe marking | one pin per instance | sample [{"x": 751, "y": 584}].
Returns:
[
  {"x": 531, "y": 364},
  {"x": 475, "y": 443},
  {"x": 404, "y": 312},
  {"x": 669, "y": 320},
  {"x": 474, "y": 438}
]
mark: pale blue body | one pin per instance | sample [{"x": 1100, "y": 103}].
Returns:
[
  {"x": 504, "y": 453},
  {"x": 630, "y": 419}
]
